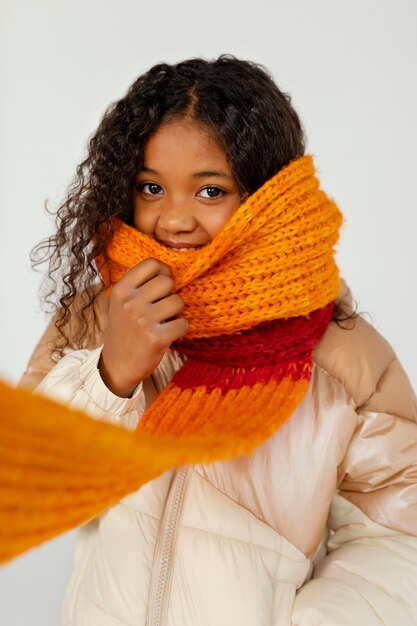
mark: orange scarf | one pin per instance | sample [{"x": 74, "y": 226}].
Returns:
[{"x": 261, "y": 291}]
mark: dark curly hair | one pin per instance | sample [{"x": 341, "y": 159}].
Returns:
[{"x": 237, "y": 100}]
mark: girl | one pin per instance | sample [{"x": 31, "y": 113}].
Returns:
[{"x": 224, "y": 319}]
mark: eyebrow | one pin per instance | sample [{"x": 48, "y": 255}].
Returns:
[{"x": 206, "y": 173}]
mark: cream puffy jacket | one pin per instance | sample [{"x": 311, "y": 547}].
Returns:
[{"x": 317, "y": 527}]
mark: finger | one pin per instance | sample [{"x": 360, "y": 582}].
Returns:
[
  {"x": 167, "y": 308},
  {"x": 144, "y": 271},
  {"x": 173, "y": 330},
  {"x": 156, "y": 288}
]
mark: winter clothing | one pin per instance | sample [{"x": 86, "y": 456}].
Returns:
[
  {"x": 317, "y": 526},
  {"x": 278, "y": 486},
  {"x": 254, "y": 323},
  {"x": 258, "y": 297}
]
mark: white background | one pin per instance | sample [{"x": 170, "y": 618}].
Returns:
[{"x": 350, "y": 67}]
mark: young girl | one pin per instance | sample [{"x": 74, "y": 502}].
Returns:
[{"x": 196, "y": 242}]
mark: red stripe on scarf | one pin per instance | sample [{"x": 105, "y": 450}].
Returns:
[
  {"x": 279, "y": 340},
  {"x": 272, "y": 350}
]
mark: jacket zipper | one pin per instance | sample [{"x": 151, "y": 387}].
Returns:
[{"x": 165, "y": 549}]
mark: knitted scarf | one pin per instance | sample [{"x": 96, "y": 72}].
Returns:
[{"x": 258, "y": 298}]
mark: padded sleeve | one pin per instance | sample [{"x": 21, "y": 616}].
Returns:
[
  {"x": 369, "y": 574},
  {"x": 75, "y": 381}
]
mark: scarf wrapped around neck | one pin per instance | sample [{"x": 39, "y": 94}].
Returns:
[{"x": 258, "y": 298}]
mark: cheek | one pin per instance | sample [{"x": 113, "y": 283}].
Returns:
[
  {"x": 214, "y": 221},
  {"x": 143, "y": 220}
]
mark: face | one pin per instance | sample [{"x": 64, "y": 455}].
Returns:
[{"x": 185, "y": 192}]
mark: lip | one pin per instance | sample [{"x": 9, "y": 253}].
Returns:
[{"x": 179, "y": 244}]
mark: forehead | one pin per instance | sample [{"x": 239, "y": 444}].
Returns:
[{"x": 184, "y": 140}]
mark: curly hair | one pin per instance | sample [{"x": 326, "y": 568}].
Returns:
[{"x": 251, "y": 118}]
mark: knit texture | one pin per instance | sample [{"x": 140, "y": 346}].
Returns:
[
  {"x": 258, "y": 298},
  {"x": 273, "y": 259}
]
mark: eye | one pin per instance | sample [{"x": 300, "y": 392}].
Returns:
[
  {"x": 212, "y": 192},
  {"x": 151, "y": 189}
]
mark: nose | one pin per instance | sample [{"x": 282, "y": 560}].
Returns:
[{"x": 176, "y": 217}]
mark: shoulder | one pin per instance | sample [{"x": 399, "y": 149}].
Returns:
[
  {"x": 364, "y": 362},
  {"x": 43, "y": 359},
  {"x": 356, "y": 355}
]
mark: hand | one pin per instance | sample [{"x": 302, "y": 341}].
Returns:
[{"x": 143, "y": 321}]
